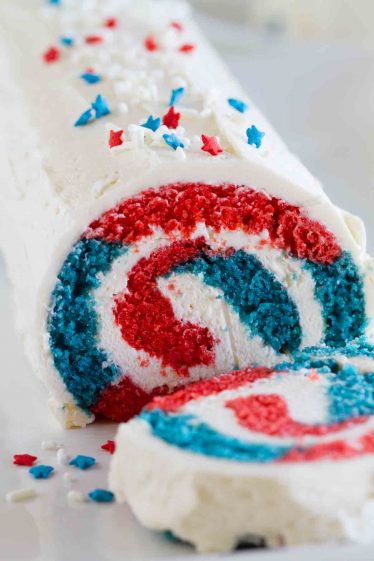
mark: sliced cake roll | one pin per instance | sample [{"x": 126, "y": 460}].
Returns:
[
  {"x": 169, "y": 235},
  {"x": 255, "y": 456}
]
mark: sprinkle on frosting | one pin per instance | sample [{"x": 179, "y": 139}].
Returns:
[
  {"x": 84, "y": 119},
  {"x": 237, "y": 104},
  {"x": 176, "y": 96},
  {"x": 24, "y": 459},
  {"x": 20, "y": 495},
  {"x": 150, "y": 44},
  {"x": 171, "y": 118},
  {"x": 90, "y": 77},
  {"x": 187, "y": 48},
  {"x": 100, "y": 106},
  {"x": 111, "y": 23},
  {"x": 54, "y": 2},
  {"x": 255, "y": 136},
  {"x": 115, "y": 138},
  {"x": 93, "y": 39},
  {"x": 177, "y": 26},
  {"x": 211, "y": 145},
  {"x": 51, "y": 55},
  {"x": 173, "y": 141},
  {"x": 101, "y": 496},
  {"x": 152, "y": 123},
  {"x": 41, "y": 472},
  {"x": 109, "y": 446},
  {"x": 67, "y": 41},
  {"x": 82, "y": 462}
]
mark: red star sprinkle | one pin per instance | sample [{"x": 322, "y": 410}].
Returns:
[
  {"x": 111, "y": 23},
  {"x": 187, "y": 48},
  {"x": 171, "y": 118},
  {"x": 115, "y": 138},
  {"x": 178, "y": 26},
  {"x": 150, "y": 43},
  {"x": 24, "y": 459},
  {"x": 210, "y": 145},
  {"x": 51, "y": 55},
  {"x": 109, "y": 446},
  {"x": 93, "y": 39},
  {"x": 90, "y": 70}
]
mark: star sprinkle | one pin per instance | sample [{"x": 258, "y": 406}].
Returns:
[
  {"x": 111, "y": 23},
  {"x": 150, "y": 43},
  {"x": 210, "y": 145},
  {"x": 24, "y": 459},
  {"x": 173, "y": 141},
  {"x": 176, "y": 96},
  {"x": 82, "y": 462},
  {"x": 93, "y": 39},
  {"x": 171, "y": 118},
  {"x": 90, "y": 77},
  {"x": 101, "y": 496},
  {"x": 237, "y": 104},
  {"x": 109, "y": 446},
  {"x": 51, "y": 55},
  {"x": 152, "y": 123},
  {"x": 54, "y": 2},
  {"x": 41, "y": 472},
  {"x": 176, "y": 25},
  {"x": 100, "y": 106},
  {"x": 187, "y": 48},
  {"x": 84, "y": 119},
  {"x": 255, "y": 136},
  {"x": 67, "y": 41},
  {"x": 115, "y": 138}
]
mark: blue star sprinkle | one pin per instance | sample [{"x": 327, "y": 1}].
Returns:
[
  {"x": 90, "y": 77},
  {"x": 238, "y": 104},
  {"x": 82, "y": 462},
  {"x": 173, "y": 141},
  {"x": 176, "y": 96},
  {"x": 255, "y": 136},
  {"x": 152, "y": 123},
  {"x": 101, "y": 496},
  {"x": 84, "y": 118},
  {"x": 100, "y": 106},
  {"x": 41, "y": 472},
  {"x": 67, "y": 41},
  {"x": 54, "y": 2}
]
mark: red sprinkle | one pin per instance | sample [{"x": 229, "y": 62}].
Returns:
[
  {"x": 210, "y": 145},
  {"x": 187, "y": 48},
  {"x": 24, "y": 459},
  {"x": 171, "y": 118},
  {"x": 51, "y": 55},
  {"x": 177, "y": 25},
  {"x": 115, "y": 138},
  {"x": 90, "y": 70},
  {"x": 109, "y": 446},
  {"x": 111, "y": 23},
  {"x": 150, "y": 43},
  {"x": 93, "y": 39}
]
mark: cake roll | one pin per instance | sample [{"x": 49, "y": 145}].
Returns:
[
  {"x": 257, "y": 456},
  {"x": 156, "y": 229}
]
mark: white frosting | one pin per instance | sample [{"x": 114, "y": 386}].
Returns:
[{"x": 56, "y": 178}]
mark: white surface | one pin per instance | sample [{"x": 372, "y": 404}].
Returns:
[{"x": 321, "y": 99}]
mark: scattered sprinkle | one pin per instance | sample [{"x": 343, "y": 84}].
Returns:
[
  {"x": 187, "y": 48},
  {"x": 176, "y": 96},
  {"x": 109, "y": 446},
  {"x": 210, "y": 145},
  {"x": 255, "y": 136},
  {"x": 180, "y": 155},
  {"x": 50, "y": 445},
  {"x": 67, "y": 41},
  {"x": 93, "y": 39},
  {"x": 90, "y": 77},
  {"x": 237, "y": 104},
  {"x": 51, "y": 55},
  {"x": 100, "y": 106},
  {"x": 171, "y": 118},
  {"x": 84, "y": 119},
  {"x": 20, "y": 495},
  {"x": 101, "y": 496},
  {"x": 41, "y": 472},
  {"x": 61, "y": 457},
  {"x": 24, "y": 459},
  {"x": 54, "y": 2},
  {"x": 82, "y": 462},
  {"x": 173, "y": 141},
  {"x": 68, "y": 478},
  {"x": 152, "y": 123},
  {"x": 76, "y": 496},
  {"x": 111, "y": 23},
  {"x": 115, "y": 138},
  {"x": 177, "y": 25},
  {"x": 150, "y": 43}
]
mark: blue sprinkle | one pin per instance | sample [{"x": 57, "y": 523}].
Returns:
[
  {"x": 238, "y": 104},
  {"x": 82, "y": 462},
  {"x": 84, "y": 118},
  {"x": 176, "y": 96},
  {"x": 41, "y": 472},
  {"x": 67, "y": 41},
  {"x": 90, "y": 77},
  {"x": 101, "y": 496},
  {"x": 255, "y": 136},
  {"x": 54, "y": 2},
  {"x": 173, "y": 141},
  {"x": 100, "y": 107},
  {"x": 152, "y": 123}
]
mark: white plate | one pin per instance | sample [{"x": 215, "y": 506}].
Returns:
[{"x": 322, "y": 100}]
